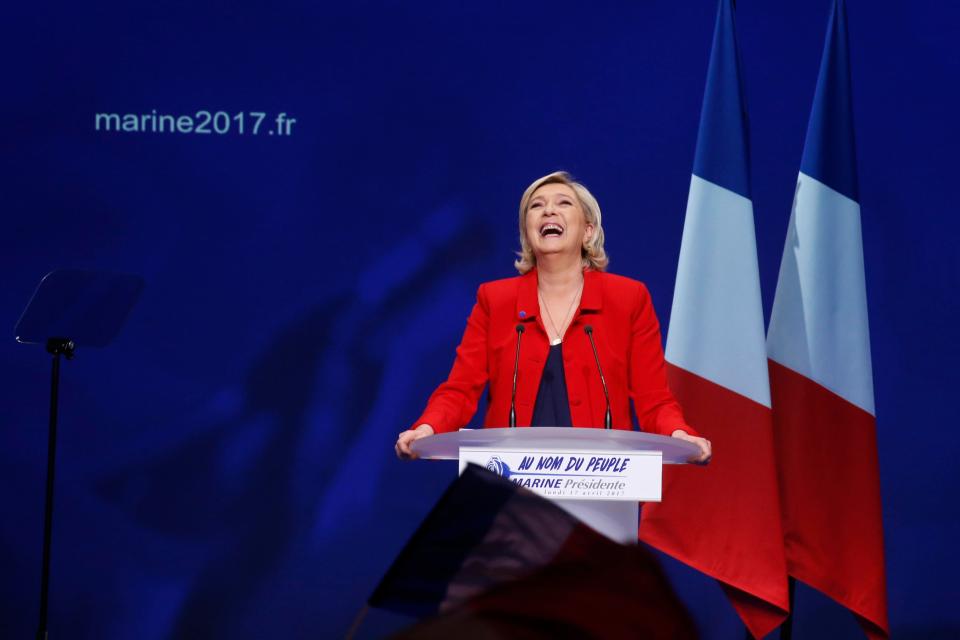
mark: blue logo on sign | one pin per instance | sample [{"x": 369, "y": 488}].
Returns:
[{"x": 498, "y": 466}]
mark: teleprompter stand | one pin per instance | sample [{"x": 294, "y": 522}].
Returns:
[{"x": 69, "y": 308}]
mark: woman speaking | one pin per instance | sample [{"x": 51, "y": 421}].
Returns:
[{"x": 561, "y": 301}]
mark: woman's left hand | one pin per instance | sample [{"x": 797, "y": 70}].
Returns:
[{"x": 706, "y": 451}]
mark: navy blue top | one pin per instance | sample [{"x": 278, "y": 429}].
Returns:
[{"x": 552, "y": 408}]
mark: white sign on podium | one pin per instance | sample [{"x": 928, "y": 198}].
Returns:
[
  {"x": 598, "y": 475},
  {"x": 575, "y": 475}
]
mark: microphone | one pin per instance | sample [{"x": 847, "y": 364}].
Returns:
[
  {"x": 608, "y": 418},
  {"x": 516, "y": 369}
]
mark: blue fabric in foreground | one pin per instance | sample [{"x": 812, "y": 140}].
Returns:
[
  {"x": 723, "y": 141},
  {"x": 552, "y": 408},
  {"x": 829, "y": 152}
]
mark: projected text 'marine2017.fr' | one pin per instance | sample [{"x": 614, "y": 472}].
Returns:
[{"x": 203, "y": 122}]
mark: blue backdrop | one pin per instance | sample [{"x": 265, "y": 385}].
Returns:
[{"x": 226, "y": 468}]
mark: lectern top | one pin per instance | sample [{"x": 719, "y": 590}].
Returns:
[{"x": 446, "y": 446}]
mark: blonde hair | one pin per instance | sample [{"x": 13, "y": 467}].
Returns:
[{"x": 592, "y": 252}]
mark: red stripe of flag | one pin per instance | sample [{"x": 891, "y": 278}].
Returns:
[
  {"x": 831, "y": 506},
  {"x": 720, "y": 519}
]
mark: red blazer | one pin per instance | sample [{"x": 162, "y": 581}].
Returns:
[{"x": 627, "y": 334}]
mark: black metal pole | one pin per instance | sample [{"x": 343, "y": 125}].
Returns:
[{"x": 57, "y": 347}]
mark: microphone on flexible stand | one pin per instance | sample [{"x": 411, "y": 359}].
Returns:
[
  {"x": 516, "y": 367},
  {"x": 608, "y": 418}
]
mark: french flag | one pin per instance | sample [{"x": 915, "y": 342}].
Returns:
[
  {"x": 495, "y": 560},
  {"x": 723, "y": 520},
  {"x": 820, "y": 369}
]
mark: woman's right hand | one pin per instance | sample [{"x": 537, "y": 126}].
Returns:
[{"x": 406, "y": 439}]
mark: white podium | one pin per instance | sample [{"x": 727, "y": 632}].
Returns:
[{"x": 598, "y": 475}]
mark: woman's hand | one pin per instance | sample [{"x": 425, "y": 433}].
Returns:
[
  {"x": 706, "y": 451},
  {"x": 406, "y": 439}
]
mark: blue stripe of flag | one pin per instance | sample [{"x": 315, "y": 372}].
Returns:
[
  {"x": 723, "y": 148},
  {"x": 829, "y": 153}
]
